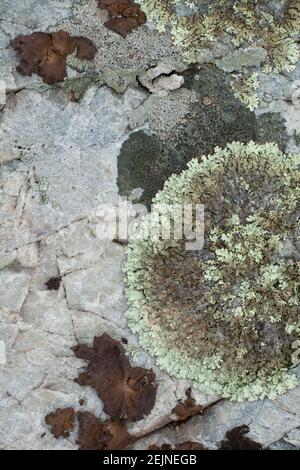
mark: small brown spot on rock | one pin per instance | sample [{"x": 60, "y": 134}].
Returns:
[
  {"x": 207, "y": 101},
  {"x": 187, "y": 445},
  {"x": 53, "y": 283}
]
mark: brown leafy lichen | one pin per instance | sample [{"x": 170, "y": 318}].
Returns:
[
  {"x": 62, "y": 422},
  {"x": 95, "y": 434},
  {"x": 45, "y": 53},
  {"x": 187, "y": 445},
  {"x": 127, "y": 392},
  {"x": 187, "y": 408},
  {"x": 236, "y": 439},
  {"x": 126, "y": 15}
]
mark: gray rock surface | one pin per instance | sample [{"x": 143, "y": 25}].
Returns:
[
  {"x": 64, "y": 158},
  {"x": 162, "y": 77}
]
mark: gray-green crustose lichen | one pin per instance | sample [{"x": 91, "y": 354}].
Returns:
[
  {"x": 227, "y": 316},
  {"x": 247, "y": 21}
]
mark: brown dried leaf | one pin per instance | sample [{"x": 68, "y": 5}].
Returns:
[
  {"x": 95, "y": 434},
  {"x": 62, "y": 421},
  {"x": 236, "y": 440},
  {"x": 127, "y": 392},
  {"x": 186, "y": 409}
]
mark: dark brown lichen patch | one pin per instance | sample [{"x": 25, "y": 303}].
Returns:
[
  {"x": 95, "y": 434},
  {"x": 126, "y": 15},
  {"x": 45, "y": 53},
  {"x": 127, "y": 392},
  {"x": 86, "y": 49},
  {"x": 186, "y": 409},
  {"x": 62, "y": 422},
  {"x": 187, "y": 445},
  {"x": 236, "y": 439},
  {"x": 53, "y": 283}
]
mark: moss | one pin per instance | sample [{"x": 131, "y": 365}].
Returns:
[
  {"x": 227, "y": 316},
  {"x": 250, "y": 21}
]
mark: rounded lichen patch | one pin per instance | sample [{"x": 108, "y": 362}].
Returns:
[{"x": 226, "y": 316}]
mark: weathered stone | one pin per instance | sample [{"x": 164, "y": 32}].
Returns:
[
  {"x": 159, "y": 78},
  {"x": 268, "y": 420},
  {"x": 77, "y": 151},
  {"x": 293, "y": 437},
  {"x": 7, "y": 258},
  {"x": 28, "y": 256},
  {"x": 171, "y": 83},
  {"x": 14, "y": 288},
  {"x": 35, "y": 14},
  {"x": 99, "y": 289}
]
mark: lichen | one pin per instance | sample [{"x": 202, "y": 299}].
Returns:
[
  {"x": 247, "y": 21},
  {"x": 45, "y": 54},
  {"x": 245, "y": 89},
  {"x": 41, "y": 189},
  {"x": 226, "y": 316},
  {"x": 126, "y": 15}
]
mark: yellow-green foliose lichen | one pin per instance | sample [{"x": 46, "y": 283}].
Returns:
[
  {"x": 247, "y": 21},
  {"x": 226, "y": 316},
  {"x": 245, "y": 89}
]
